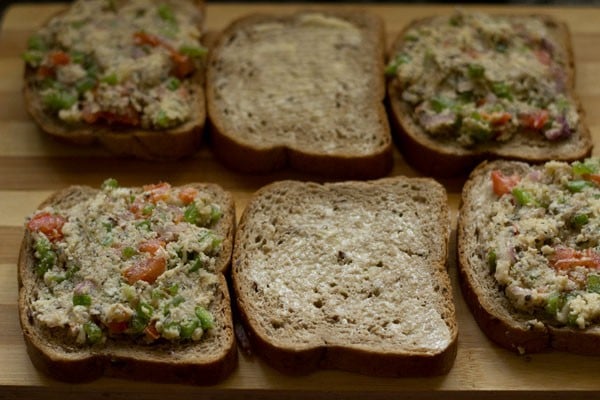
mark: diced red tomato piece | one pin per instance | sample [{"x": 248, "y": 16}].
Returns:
[
  {"x": 565, "y": 258},
  {"x": 151, "y": 246},
  {"x": 543, "y": 56},
  {"x": 141, "y": 38},
  {"x": 592, "y": 177},
  {"x": 146, "y": 270},
  {"x": 183, "y": 65},
  {"x": 497, "y": 118},
  {"x": 503, "y": 184},
  {"x": 48, "y": 224},
  {"x": 159, "y": 191},
  {"x": 136, "y": 208},
  {"x": 45, "y": 71},
  {"x": 151, "y": 332},
  {"x": 117, "y": 327},
  {"x": 187, "y": 195},
  {"x": 59, "y": 58},
  {"x": 535, "y": 120},
  {"x": 129, "y": 117}
]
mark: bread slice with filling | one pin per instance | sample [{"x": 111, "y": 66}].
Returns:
[
  {"x": 509, "y": 326},
  {"x": 304, "y": 90},
  {"x": 347, "y": 276},
  {"x": 55, "y": 350},
  {"x": 443, "y": 155},
  {"x": 131, "y": 125}
]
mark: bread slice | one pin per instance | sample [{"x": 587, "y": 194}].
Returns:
[
  {"x": 347, "y": 276},
  {"x": 304, "y": 90},
  {"x": 443, "y": 155},
  {"x": 54, "y": 350},
  {"x": 124, "y": 139},
  {"x": 498, "y": 317}
]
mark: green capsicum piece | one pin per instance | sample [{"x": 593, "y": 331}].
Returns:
[
  {"x": 593, "y": 283},
  {"x": 579, "y": 220},
  {"x": 205, "y": 317},
  {"x": 59, "y": 100},
  {"x": 392, "y": 68},
  {"x": 82, "y": 300},
  {"x": 577, "y": 186},
  {"x": 502, "y": 90},
  {"x": 128, "y": 252},
  {"x": 187, "y": 328},
  {"x": 475, "y": 71},
  {"x": 523, "y": 197},
  {"x": 45, "y": 255},
  {"x": 92, "y": 332},
  {"x": 193, "y": 51}
]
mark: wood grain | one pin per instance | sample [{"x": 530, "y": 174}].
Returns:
[{"x": 32, "y": 165}]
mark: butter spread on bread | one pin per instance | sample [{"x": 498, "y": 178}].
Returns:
[
  {"x": 348, "y": 275},
  {"x": 304, "y": 90},
  {"x": 124, "y": 63},
  {"x": 138, "y": 262}
]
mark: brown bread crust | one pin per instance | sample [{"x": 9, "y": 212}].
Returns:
[
  {"x": 302, "y": 358},
  {"x": 247, "y": 157},
  {"x": 446, "y": 158},
  {"x": 496, "y": 317},
  {"x": 170, "y": 144},
  {"x": 205, "y": 362}
]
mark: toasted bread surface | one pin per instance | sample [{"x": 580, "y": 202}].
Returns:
[
  {"x": 304, "y": 90},
  {"x": 53, "y": 350},
  {"x": 497, "y": 315},
  {"x": 443, "y": 155},
  {"x": 114, "y": 127},
  {"x": 347, "y": 276}
]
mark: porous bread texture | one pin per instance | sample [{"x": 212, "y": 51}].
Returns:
[
  {"x": 497, "y": 318},
  {"x": 169, "y": 144},
  {"x": 305, "y": 89},
  {"x": 445, "y": 157},
  {"x": 348, "y": 276},
  {"x": 204, "y": 362}
]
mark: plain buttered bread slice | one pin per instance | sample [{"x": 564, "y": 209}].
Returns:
[
  {"x": 304, "y": 90},
  {"x": 348, "y": 276}
]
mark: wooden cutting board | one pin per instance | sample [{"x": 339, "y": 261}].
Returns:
[{"x": 32, "y": 166}]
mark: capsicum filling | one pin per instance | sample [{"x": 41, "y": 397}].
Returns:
[
  {"x": 121, "y": 63},
  {"x": 542, "y": 240},
  {"x": 134, "y": 262},
  {"x": 477, "y": 78}
]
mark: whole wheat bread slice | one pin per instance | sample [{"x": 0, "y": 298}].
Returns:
[
  {"x": 495, "y": 315},
  {"x": 445, "y": 157},
  {"x": 165, "y": 144},
  {"x": 347, "y": 276},
  {"x": 304, "y": 90},
  {"x": 194, "y": 362}
]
